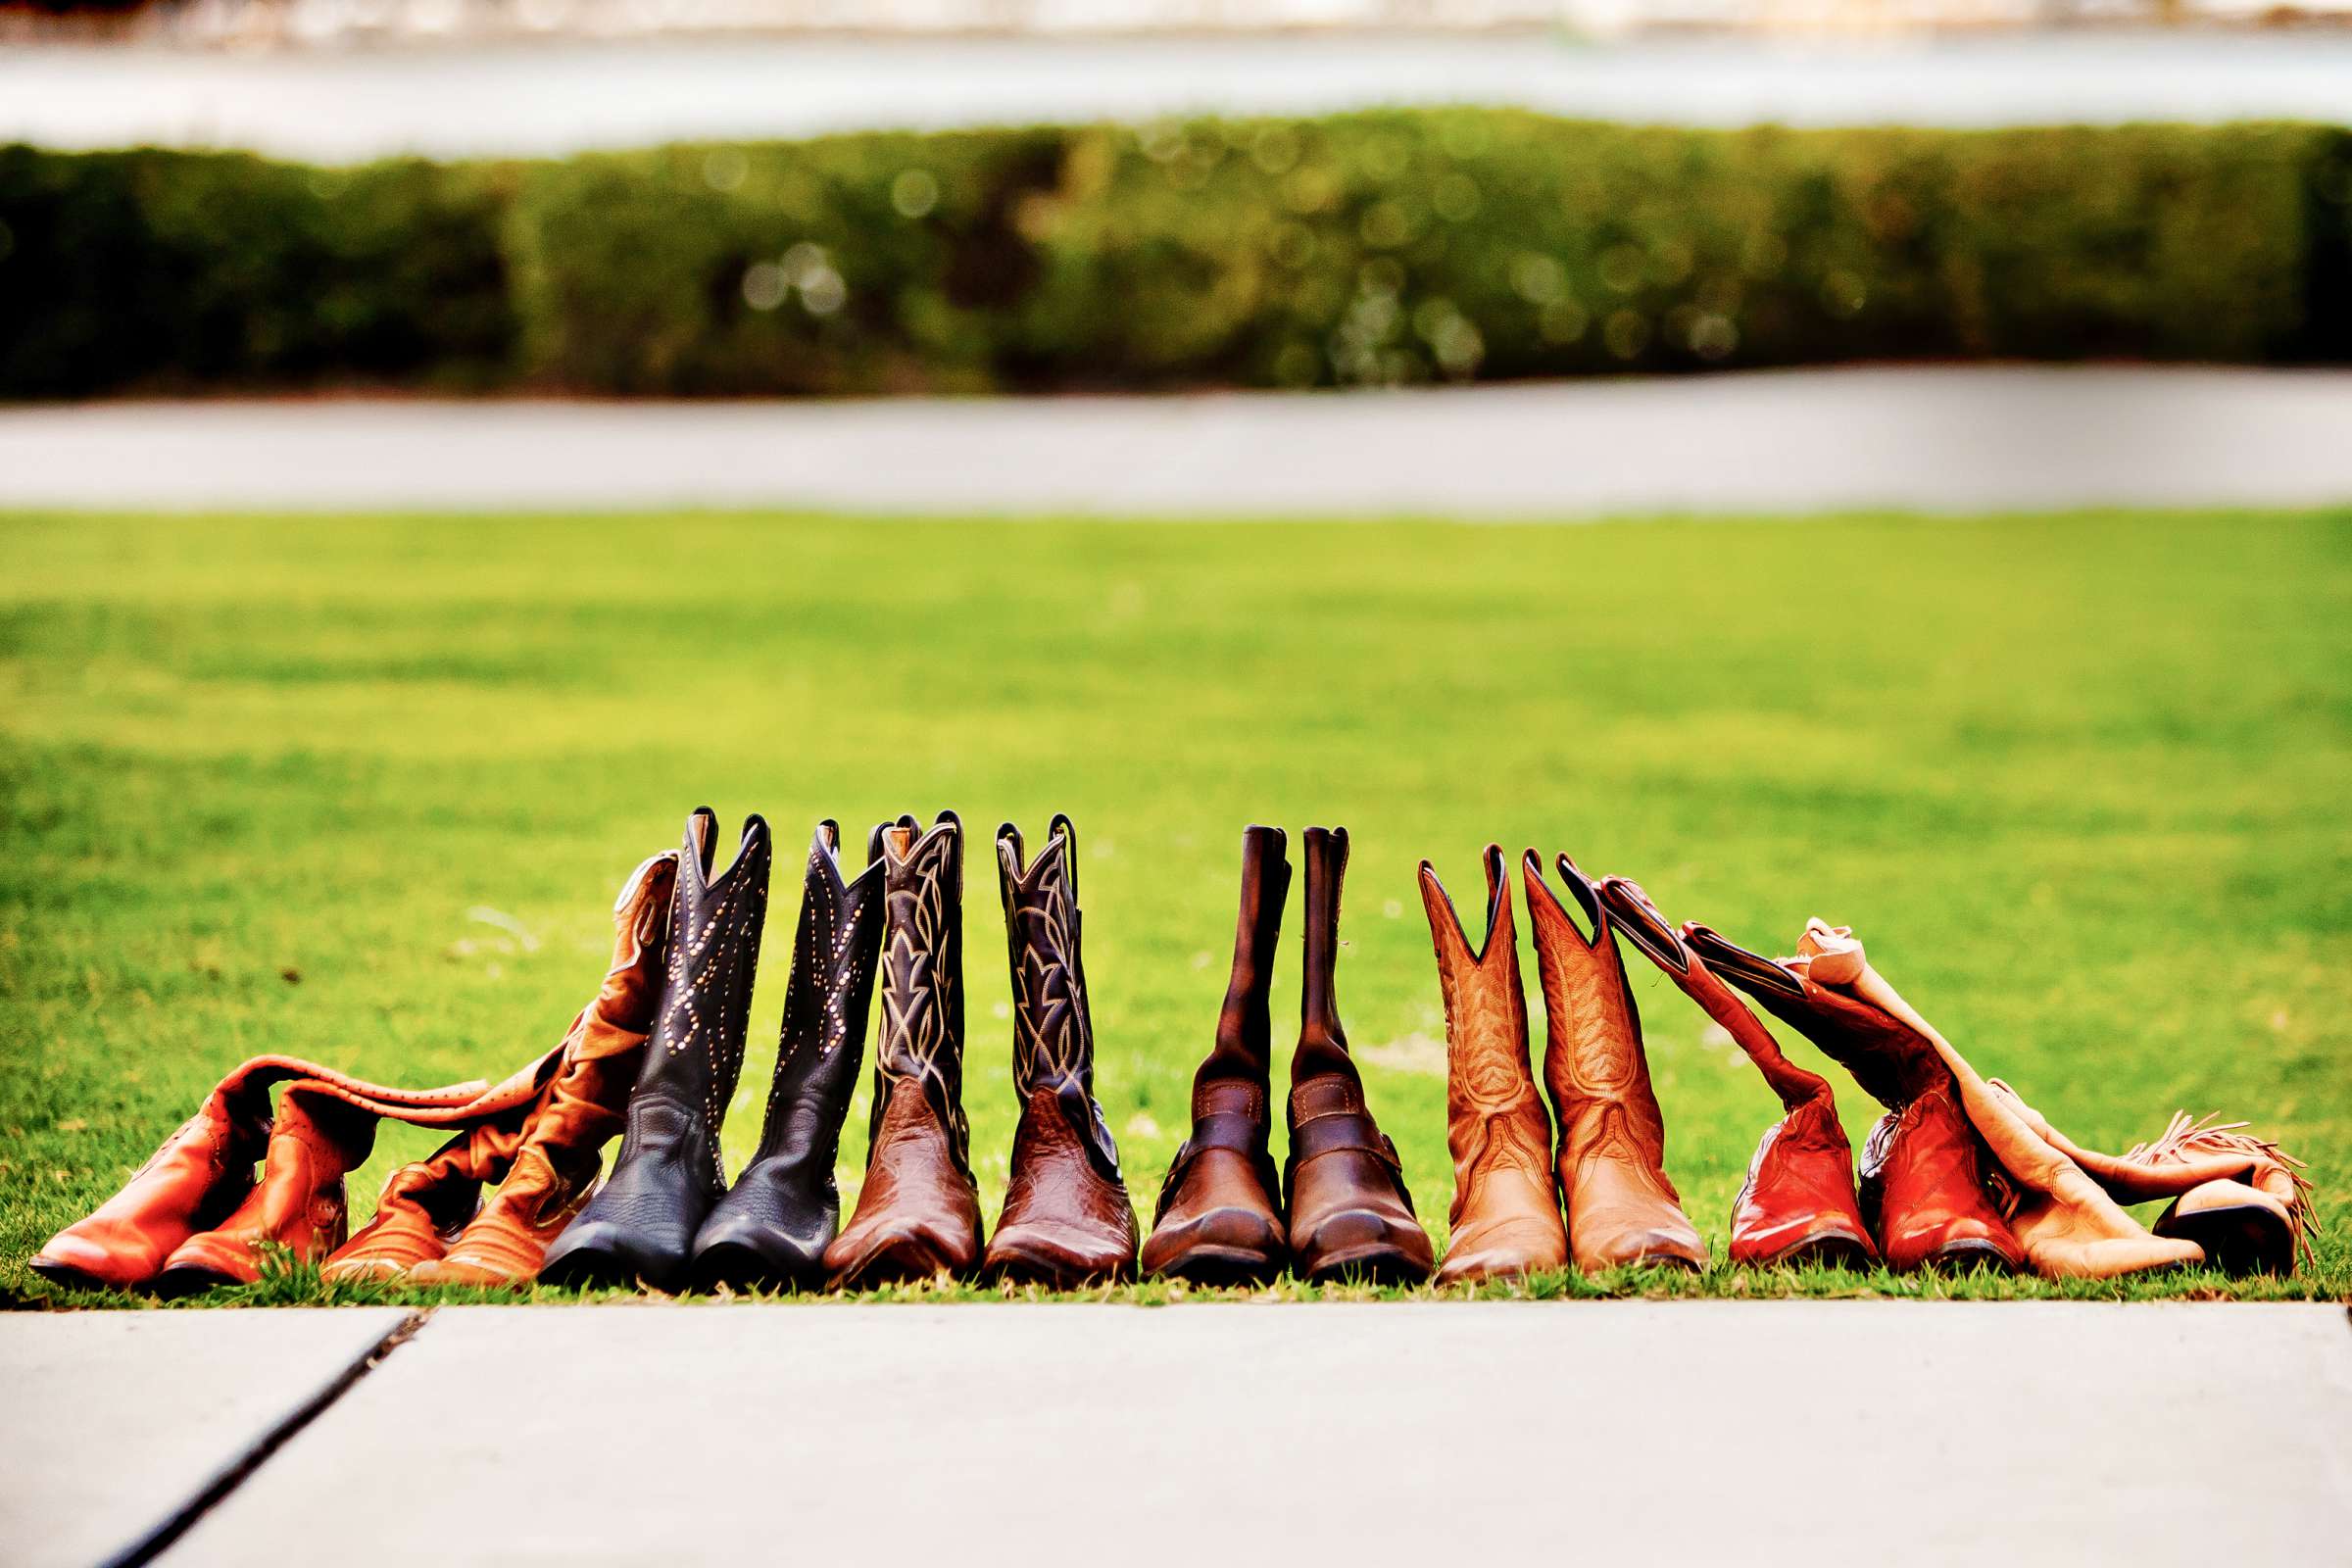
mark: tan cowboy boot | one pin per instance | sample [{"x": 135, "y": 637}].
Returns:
[
  {"x": 1612, "y": 1150},
  {"x": 299, "y": 1204},
  {"x": 2242, "y": 1199},
  {"x": 1506, "y": 1219},
  {"x": 2069, "y": 1226}
]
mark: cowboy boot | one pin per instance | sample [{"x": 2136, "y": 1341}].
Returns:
[
  {"x": 544, "y": 1158},
  {"x": 1798, "y": 1206},
  {"x": 640, "y": 1225},
  {"x": 2068, "y": 1225},
  {"x": 1067, "y": 1218},
  {"x": 1611, "y": 1162},
  {"x": 299, "y": 1204},
  {"x": 919, "y": 1212},
  {"x": 202, "y": 1173},
  {"x": 2242, "y": 1199},
  {"x": 1925, "y": 1170},
  {"x": 773, "y": 1228},
  {"x": 1348, "y": 1212},
  {"x": 1219, "y": 1218},
  {"x": 1506, "y": 1219}
]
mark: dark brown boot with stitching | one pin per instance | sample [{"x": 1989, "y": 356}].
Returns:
[
  {"x": 1219, "y": 1220},
  {"x": 918, "y": 1213},
  {"x": 1350, "y": 1215},
  {"x": 1067, "y": 1218}
]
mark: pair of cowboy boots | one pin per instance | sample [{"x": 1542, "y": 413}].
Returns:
[
  {"x": 1608, "y": 1174},
  {"x": 1067, "y": 1218},
  {"x": 196, "y": 1216},
  {"x": 1798, "y": 1203},
  {"x": 1341, "y": 1209}
]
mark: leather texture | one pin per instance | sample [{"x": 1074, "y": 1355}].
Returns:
[
  {"x": 1067, "y": 1218},
  {"x": 918, "y": 1210},
  {"x": 1611, "y": 1160},
  {"x": 203, "y": 1174},
  {"x": 299, "y": 1204},
  {"x": 543, "y": 1158},
  {"x": 1346, "y": 1208},
  {"x": 1506, "y": 1219},
  {"x": 773, "y": 1226},
  {"x": 1926, "y": 1175},
  {"x": 1218, "y": 1220},
  {"x": 1798, "y": 1203},
  {"x": 640, "y": 1225}
]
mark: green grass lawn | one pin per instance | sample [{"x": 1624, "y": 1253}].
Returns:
[{"x": 2080, "y": 781}]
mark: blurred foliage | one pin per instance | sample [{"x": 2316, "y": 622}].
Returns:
[{"x": 1377, "y": 248}]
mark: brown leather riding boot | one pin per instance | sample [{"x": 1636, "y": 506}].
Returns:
[
  {"x": 299, "y": 1204},
  {"x": 1067, "y": 1218},
  {"x": 1220, "y": 1218},
  {"x": 1926, "y": 1175},
  {"x": 1506, "y": 1219},
  {"x": 919, "y": 1212},
  {"x": 1348, "y": 1212},
  {"x": 1797, "y": 1204},
  {"x": 1612, "y": 1150},
  {"x": 546, "y": 1165}
]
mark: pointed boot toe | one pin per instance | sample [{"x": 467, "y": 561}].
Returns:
[
  {"x": 747, "y": 1250},
  {"x": 905, "y": 1253},
  {"x": 1232, "y": 1244},
  {"x": 596, "y": 1253},
  {"x": 1058, "y": 1256},
  {"x": 1511, "y": 1249},
  {"x": 73, "y": 1264},
  {"x": 1665, "y": 1245},
  {"x": 1371, "y": 1246}
]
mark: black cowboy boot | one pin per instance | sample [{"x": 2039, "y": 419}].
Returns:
[
  {"x": 1067, "y": 1217},
  {"x": 1219, "y": 1220},
  {"x": 773, "y": 1227},
  {"x": 640, "y": 1224},
  {"x": 918, "y": 1213}
]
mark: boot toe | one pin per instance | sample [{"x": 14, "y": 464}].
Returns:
[
  {"x": 83, "y": 1265},
  {"x": 601, "y": 1253},
  {"x": 1504, "y": 1251},
  {"x": 902, "y": 1253},
  {"x": 1056, "y": 1256},
  {"x": 745, "y": 1253},
  {"x": 1654, "y": 1246},
  {"x": 1367, "y": 1245},
  {"x": 1230, "y": 1245}
]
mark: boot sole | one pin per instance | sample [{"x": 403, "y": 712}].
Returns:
[
  {"x": 1969, "y": 1254},
  {"x": 1221, "y": 1267},
  {"x": 1381, "y": 1264},
  {"x": 743, "y": 1269},
  {"x": 901, "y": 1260},
  {"x": 1016, "y": 1266}
]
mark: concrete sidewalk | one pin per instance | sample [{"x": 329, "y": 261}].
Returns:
[
  {"x": 1935, "y": 440},
  {"x": 1697, "y": 1431}
]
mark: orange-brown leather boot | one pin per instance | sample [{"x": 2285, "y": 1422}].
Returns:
[
  {"x": 542, "y": 1147},
  {"x": 1219, "y": 1218},
  {"x": 1350, "y": 1215},
  {"x": 1612, "y": 1150},
  {"x": 299, "y": 1204},
  {"x": 1798, "y": 1206},
  {"x": 918, "y": 1213},
  {"x": 205, "y": 1171},
  {"x": 1506, "y": 1219},
  {"x": 1067, "y": 1218},
  {"x": 1926, "y": 1178}
]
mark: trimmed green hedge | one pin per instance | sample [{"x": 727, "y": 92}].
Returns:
[{"x": 1379, "y": 248}]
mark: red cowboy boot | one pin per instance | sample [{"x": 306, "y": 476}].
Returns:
[
  {"x": 1926, "y": 1173},
  {"x": 1798, "y": 1206}
]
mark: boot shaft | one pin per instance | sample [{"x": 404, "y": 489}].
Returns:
[
  {"x": 921, "y": 979},
  {"x": 1592, "y": 1031},
  {"x": 1493, "y": 1114},
  {"x": 1322, "y": 1042},
  {"x": 836, "y": 950},
  {"x": 713, "y": 954}
]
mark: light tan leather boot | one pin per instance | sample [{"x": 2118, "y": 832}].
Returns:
[
  {"x": 1612, "y": 1150},
  {"x": 1506, "y": 1219},
  {"x": 2067, "y": 1223}
]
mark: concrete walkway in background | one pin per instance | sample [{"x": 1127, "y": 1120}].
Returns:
[
  {"x": 1937, "y": 440},
  {"x": 551, "y": 96},
  {"x": 1699, "y": 1431}
]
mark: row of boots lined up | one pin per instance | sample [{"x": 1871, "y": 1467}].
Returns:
[{"x": 1959, "y": 1171}]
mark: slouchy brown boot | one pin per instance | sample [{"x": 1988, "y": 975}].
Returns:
[
  {"x": 1926, "y": 1177},
  {"x": 1067, "y": 1217},
  {"x": 545, "y": 1163},
  {"x": 1612, "y": 1151},
  {"x": 1505, "y": 1218},
  {"x": 1219, "y": 1218},
  {"x": 918, "y": 1213},
  {"x": 299, "y": 1204},
  {"x": 1797, "y": 1204},
  {"x": 1350, "y": 1215}
]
